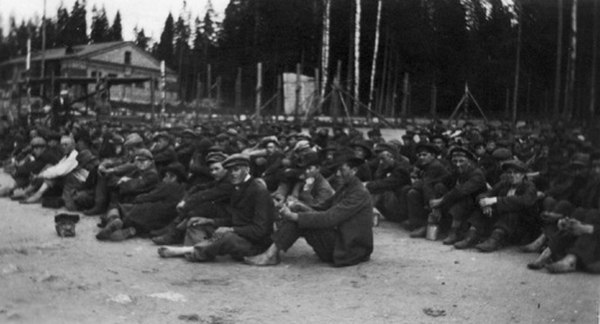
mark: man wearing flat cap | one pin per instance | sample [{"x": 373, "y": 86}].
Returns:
[
  {"x": 314, "y": 189},
  {"x": 163, "y": 151},
  {"x": 40, "y": 157},
  {"x": 244, "y": 226},
  {"x": 391, "y": 178},
  {"x": 508, "y": 210},
  {"x": 459, "y": 202},
  {"x": 148, "y": 211},
  {"x": 203, "y": 200},
  {"x": 339, "y": 230},
  {"x": 430, "y": 181}
]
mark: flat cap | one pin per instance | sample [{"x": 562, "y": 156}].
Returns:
[
  {"x": 515, "y": 165},
  {"x": 214, "y": 157},
  {"x": 178, "y": 170},
  {"x": 133, "y": 139},
  {"x": 502, "y": 154},
  {"x": 462, "y": 151},
  {"x": 235, "y": 160},
  {"x": 144, "y": 153},
  {"x": 38, "y": 141},
  {"x": 427, "y": 147}
]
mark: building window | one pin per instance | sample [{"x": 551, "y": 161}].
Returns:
[
  {"x": 139, "y": 85},
  {"x": 96, "y": 73},
  {"x": 112, "y": 75},
  {"x": 128, "y": 57}
]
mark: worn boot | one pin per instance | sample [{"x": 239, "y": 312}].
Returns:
[
  {"x": 534, "y": 246},
  {"x": 171, "y": 237},
  {"x": 100, "y": 198},
  {"x": 493, "y": 243},
  {"x": 419, "y": 232},
  {"x": 470, "y": 239},
  {"x": 452, "y": 237},
  {"x": 543, "y": 259}
]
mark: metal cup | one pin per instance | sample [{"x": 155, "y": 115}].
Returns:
[{"x": 432, "y": 232}]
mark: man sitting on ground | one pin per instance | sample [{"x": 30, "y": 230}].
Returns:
[{"x": 339, "y": 231}]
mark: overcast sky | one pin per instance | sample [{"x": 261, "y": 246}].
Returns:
[{"x": 149, "y": 14}]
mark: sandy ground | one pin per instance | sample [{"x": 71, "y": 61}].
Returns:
[{"x": 48, "y": 279}]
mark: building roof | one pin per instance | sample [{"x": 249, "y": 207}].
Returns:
[{"x": 77, "y": 52}]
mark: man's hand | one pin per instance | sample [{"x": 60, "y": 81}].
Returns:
[
  {"x": 577, "y": 228},
  {"x": 287, "y": 214},
  {"x": 485, "y": 202},
  {"x": 487, "y": 211},
  {"x": 123, "y": 179},
  {"x": 200, "y": 221},
  {"x": 223, "y": 230},
  {"x": 180, "y": 205},
  {"x": 435, "y": 203}
]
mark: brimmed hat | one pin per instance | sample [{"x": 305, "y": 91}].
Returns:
[
  {"x": 427, "y": 147},
  {"x": 462, "y": 151},
  {"x": 188, "y": 132},
  {"x": 302, "y": 145},
  {"x": 514, "y": 164},
  {"x": 363, "y": 144},
  {"x": 580, "y": 159},
  {"x": 178, "y": 170},
  {"x": 235, "y": 160},
  {"x": 502, "y": 154},
  {"x": 222, "y": 137},
  {"x": 269, "y": 139},
  {"x": 144, "y": 153},
  {"x": 214, "y": 157},
  {"x": 386, "y": 147},
  {"x": 163, "y": 134},
  {"x": 85, "y": 157}
]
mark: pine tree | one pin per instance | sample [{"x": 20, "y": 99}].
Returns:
[
  {"x": 99, "y": 31},
  {"x": 141, "y": 40},
  {"x": 61, "y": 36},
  {"x": 76, "y": 28},
  {"x": 115, "y": 32},
  {"x": 164, "y": 49}
]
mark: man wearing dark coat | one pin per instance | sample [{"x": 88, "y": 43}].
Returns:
[
  {"x": 459, "y": 201},
  {"x": 61, "y": 110},
  {"x": 508, "y": 210},
  {"x": 339, "y": 231},
  {"x": 163, "y": 151},
  {"x": 149, "y": 211},
  {"x": 243, "y": 227}
]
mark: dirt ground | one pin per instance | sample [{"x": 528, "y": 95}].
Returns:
[{"x": 48, "y": 279}]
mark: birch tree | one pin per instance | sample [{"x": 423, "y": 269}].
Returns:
[{"x": 375, "y": 51}]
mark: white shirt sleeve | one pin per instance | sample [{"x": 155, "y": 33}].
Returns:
[{"x": 62, "y": 168}]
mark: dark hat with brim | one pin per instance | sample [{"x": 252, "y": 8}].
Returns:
[
  {"x": 308, "y": 159},
  {"x": 580, "y": 159},
  {"x": 385, "y": 147},
  {"x": 235, "y": 160},
  {"x": 515, "y": 165},
  {"x": 502, "y": 154},
  {"x": 427, "y": 147},
  {"x": 215, "y": 157},
  {"x": 144, "y": 153},
  {"x": 364, "y": 145},
  {"x": 462, "y": 151},
  {"x": 350, "y": 159}
]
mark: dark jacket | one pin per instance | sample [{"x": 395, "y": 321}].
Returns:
[
  {"x": 523, "y": 201},
  {"x": 141, "y": 182},
  {"x": 155, "y": 209},
  {"x": 350, "y": 213},
  {"x": 214, "y": 192},
  {"x": 390, "y": 178},
  {"x": 467, "y": 185},
  {"x": 252, "y": 212}
]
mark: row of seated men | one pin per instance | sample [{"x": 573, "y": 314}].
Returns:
[{"x": 251, "y": 197}]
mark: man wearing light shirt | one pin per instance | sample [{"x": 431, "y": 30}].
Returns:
[{"x": 65, "y": 173}]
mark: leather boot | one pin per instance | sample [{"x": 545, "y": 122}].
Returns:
[
  {"x": 470, "y": 239},
  {"x": 419, "y": 232},
  {"x": 543, "y": 259},
  {"x": 171, "y": 237},
  {"x": 493, "y": 243},
  {"x": 534, "y": 246},
  {"x": 452, "y": 237},
  {"x": 100, "y": 198}
]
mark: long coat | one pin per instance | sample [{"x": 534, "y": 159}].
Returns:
[
  {"x": 155, "y": 209},
  {"x": 350, "y": 213},
  {"x": 523, "y": 201},
  {"x": 467, "y": 186},
  {"x": 141, "y": 182}
]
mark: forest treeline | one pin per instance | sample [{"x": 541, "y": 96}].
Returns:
[{"x": 542, "y": 51}]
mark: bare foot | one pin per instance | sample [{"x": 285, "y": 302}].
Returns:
[
  {"x": 174, "y": 251},
  {"x": 264, "y": 259},
  {"x": 567, "y": 264}
]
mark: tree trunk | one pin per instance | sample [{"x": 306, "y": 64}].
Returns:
[
  {"x": 375, "y": 52},
  {"x": 357, "y": 56},
  {"x": 570, "y": 83},
  {"x": 559, "y": 37},
  {"x": 517, "y": 71},
  {"x": 325, "y": 48},
  {"x": 594, "y": 62}
]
